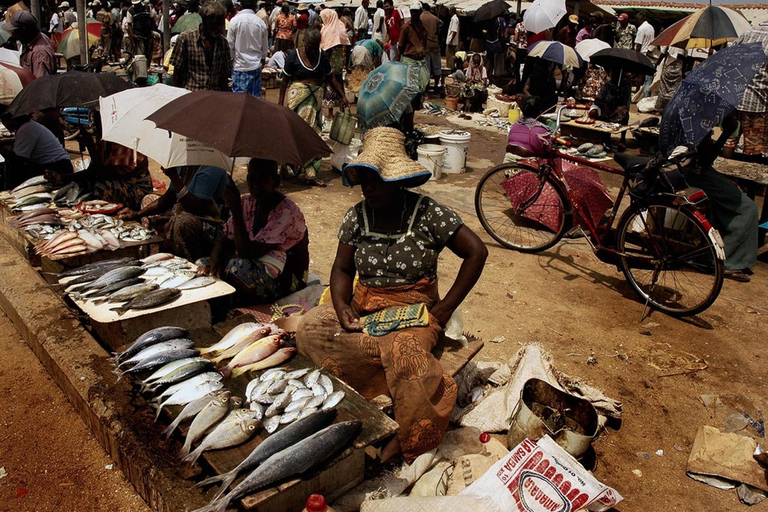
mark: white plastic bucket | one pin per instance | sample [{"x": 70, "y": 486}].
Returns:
[
  {"x": 432, "y": 156},
  {"x": 455, "y": 143}
]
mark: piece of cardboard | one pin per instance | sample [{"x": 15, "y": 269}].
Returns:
[{"x": 725, "y": 456}]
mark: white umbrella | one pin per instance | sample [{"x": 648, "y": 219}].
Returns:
[
  {"x": 589, "y": 46},
  {"x": 10, "y": 56},
  {"x": 123, "y": 120},
  {"x": 543, "y": 15}
]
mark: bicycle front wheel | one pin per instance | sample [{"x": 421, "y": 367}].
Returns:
[
  {"x": 669, "y": 259},
  {"x": 521, "y": 208}
]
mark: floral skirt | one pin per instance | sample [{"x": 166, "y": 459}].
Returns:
[
  {"x": 130, "y": 191},
  {"x": 307, "y": 101}
]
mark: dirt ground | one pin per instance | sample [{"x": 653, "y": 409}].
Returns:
[{"x": 565, "y": 298}]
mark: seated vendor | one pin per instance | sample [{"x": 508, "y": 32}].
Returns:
[
  {"x": 476, "y": 85},
  {"x": 36, "y": 150},
  {"x": 539, "y": 87},
  {"x": 195, "y": 200},
  {"x": 392, "y": 240},
  {"x": 264, "y": 251},
  {"x": 612, "y": 102}
]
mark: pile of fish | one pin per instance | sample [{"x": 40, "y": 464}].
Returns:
[
  {"x": 70, "y": 195},
  {"x": 137, "y": 284},
  {"x": 251, "y": 347},
  {"x": 31, "y": 195},
  {"x": 286, "y": 396}
]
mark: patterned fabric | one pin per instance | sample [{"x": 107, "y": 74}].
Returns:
[
  {"x": 708, "y": 94},
  {"x": 403, "y": 258},
  {"x": 593, "y": 81},
  {"x": 755, "y": 128},
  {"x": 671, "y": 76},
  {"x": 625, "y": 36},
  {"x": 399, "y": 364},
  {"x": 201, "y": 72},
  {"x": 307, "y": 101},
  {"x": 337, "y": 56},
  {"x": 247, "y": 81},
  {"x": 285, "y": 24},
  {"x": 254, "y": 276},
  {"x": 189, "y": 236},
  {"x": 756, "y": 96},
  {"x": 129, "y": 191},
  {"x": 285, "y": 226}
]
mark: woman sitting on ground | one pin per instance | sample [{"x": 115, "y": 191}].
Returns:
[
  {"x": 476, "y": 85},
  {"x": 391, "y": 241},
  {"x": 264, "y": 251}
]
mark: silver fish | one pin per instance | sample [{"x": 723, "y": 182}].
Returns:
[
  {"x": 211, "y": 414},
  {"x": 186, "y": 395},
  {"x": 177, "y": 280},
  {"x": 302, "y": 393},
  {"x": 272, "y": 374},
  {"x": 296, "y": 405},
  {"x": 171, "y": 367},
  {"x": 278, "y": 405},
  {"x": 36, "y": 180},
  {"x": 271, "y": 424},
  {"x": 327, "y": 383},
  {"x": 128, "y": 292},
  {"x": 192, "y": 367},
  {"x": 297, "y": 374},
  {"x": 226, "y": 434},
  {"x": 115, "y": 275},
  {"x": 257, "y": 409},
  {"x": 311, "y": 378},
  {"x": 150, "y": 300},
  {"x": 191, "y": 409},
  {"x": 197, "y": 282},
  {"x": 277, "y": 386},
  {"x": 189, "y": 383},
  {"x": 255, "y": 386},
  {"x": 150, "y": 338},
  {"x": 318, "y": 390},
  {"x": 333, "y": 399},
  {"x": 289, "y": 417},
  {"x": 315, "y": 401},
  {"x": 157, "y": 348},
  {"x": 309, "y": 411},
  {"x": 264, "y": 399},
  {"x": 296, "y": 384},
  {"x": 160, "y": 360}
]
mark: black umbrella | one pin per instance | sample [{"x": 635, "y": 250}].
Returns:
[
  {"x": 491, "y": 10},
  {"x": 621, "y": 58},
  {"x": 70, "y": 89}
]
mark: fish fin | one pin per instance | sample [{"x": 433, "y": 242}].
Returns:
[
  {"x": 236, "y": 372},
  {"x": 100, "y": 301},
  {"x": 159, "y": 410},
  {"x": 187, "y": 446},
  {"x": 211, "y": 480},
  {"x": 213, "y": 507},
  {"x": 227, "y": 372},
  {"x": 225, "y": 483},
  {"x": 191, "y": 458}
]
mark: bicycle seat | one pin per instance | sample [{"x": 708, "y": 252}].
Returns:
[{"x": 631, "y": 164}]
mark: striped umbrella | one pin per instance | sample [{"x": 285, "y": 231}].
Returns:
[
  {"x": 708, "y": 27},
  {"x": 587, "y": 47},
  {"x": 69, "y": 46},
  {"x": 12, "y": 80},
  {"x": 554, "y": 51}
]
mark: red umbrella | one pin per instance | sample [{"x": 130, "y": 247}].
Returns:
[
  {"x": 12, "y": 80},
  {"x": 239, "y": 124}
]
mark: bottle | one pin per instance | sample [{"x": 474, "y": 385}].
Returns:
[{"x": 316, "y": 503}]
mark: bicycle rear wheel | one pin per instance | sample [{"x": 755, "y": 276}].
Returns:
[
  {"x": 520, "y": 208},
  {"x": 669, "y": 258}
]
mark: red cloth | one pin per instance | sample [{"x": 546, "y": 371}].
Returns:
[{"x": 394, "y": 23}]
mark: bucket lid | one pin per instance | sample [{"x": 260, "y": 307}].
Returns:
[
  {"x": 430, "y": 148},
  {"x": 455, "y": 135}
]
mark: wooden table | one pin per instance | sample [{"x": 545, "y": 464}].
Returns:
[{"x": 591, "y": 132}]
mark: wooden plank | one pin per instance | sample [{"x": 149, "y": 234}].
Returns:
[{"x": 453, "y": 357}]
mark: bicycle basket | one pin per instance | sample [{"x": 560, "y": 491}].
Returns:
[{"x": 528, "y": 138}]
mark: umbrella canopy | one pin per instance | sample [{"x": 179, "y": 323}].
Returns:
[
  {"x": 70, "y": 89},
  {"x": 555, "y": 52},
  {"x": 589, "y": 47},
  {"x": 12, "y": 80},
  {"x": 709, "y": 93},
  {"x": 69, "y": 46},
  {"x": 708, "y": 27},
  {"x": 491, "y": 10},
  {"x": 621, "y": 58},
  {"x": 387, "y": 93},
  {"x": 123, "y": 120},
  {"x": 239, "y": 124},
  {"x": 543, "y": 15},
  {"x": 189, "y": 21}
]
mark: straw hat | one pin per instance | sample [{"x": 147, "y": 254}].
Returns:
[{"x": 384, "y": 153}]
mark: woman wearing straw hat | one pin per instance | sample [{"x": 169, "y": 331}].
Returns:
[{"x": 392, "y": 241}]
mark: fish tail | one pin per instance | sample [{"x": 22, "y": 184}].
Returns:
[
  {"x": 191, "y": 457},
  {"x": 236, "y": 372},
  {"x": 187, "y": 446},
  {"x": 225, "y": 483},
  {"x": 211, "y": 480},
  {"x": 167, "y": 431},
  {"x": 159, "y": 410}
]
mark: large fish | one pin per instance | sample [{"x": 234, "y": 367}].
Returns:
[
  {"x": 158, "y": 348},
  {"x": 150, "y": 300},
  {"x": 275, "y": 359},
  {"x": 191, "y": 382},
  {"x": 160, "y": 360},
  {"x": 127, "y": 293},
  {"x": 273, "y": 444},
  {"x": 243, "y": 334},
  {"x": 253, "y": 353},
  {"x": 186, "y": 395},
  {"x": 241, "y": 345},
  {"x": 211, "y": 414},
  {"x": 151, "y": 337},
  {"x": 36, "y": 180},
  {"x": 191, "y": 409},
  {"x": 122, "y": 262},
  {"x": 225, "y": 435},
  {"x": 169, "y": 371},
  {"x": 113, "y": 276},
  {"x": 197, "y": 282},
  {"x": 294, "y": 460},
  {"x": 97, "y": 293}
]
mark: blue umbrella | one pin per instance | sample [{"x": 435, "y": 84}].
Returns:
[
  {"x": 387, "y": 92},
  {"x": 708, "y": 94},
  {"x": 556, "y": 52}
]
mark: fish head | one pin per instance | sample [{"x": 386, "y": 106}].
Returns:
[
  {"x": 235, "y": 402},
  {"x": 250, "y": 425}
]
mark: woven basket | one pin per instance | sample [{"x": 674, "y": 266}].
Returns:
[{"x": 502, "y": 106}]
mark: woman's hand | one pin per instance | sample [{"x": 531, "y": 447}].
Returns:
[
  {"x": 349, "y": 319},
  {"x": 209, "y": 270},
  {"x": 127, "y": 214},
  {"x": 52, "y": 177},
  {"x": 442, "y": 312}
]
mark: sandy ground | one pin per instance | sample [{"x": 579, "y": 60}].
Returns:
[{"x": 563, "y": 298}]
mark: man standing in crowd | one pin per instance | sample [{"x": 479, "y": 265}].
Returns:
[
  {"x": 625, "y": 33},
  {"x": 433, "y": 60},
  {"x": 394, "y": 23},
  {"x": 379, "y": 23},
  {"x": 105, "y": 33},
  {"x": 70, "y": 16},
  {"x": 645, "y": 34},
  {"x": 452, "y": 41},
  {"x": 567, "y": 34},
  {"x": 361, "y": 20},
  {"x": 57, "y": 21},
  {"x": 273, "y": 15},
  {"x": 603, "y": 29},
  {"x": 139, "y": 23},
  {"x": 201, "y": 58},
  {"x": 248, "y": 42},
  {"x": 262, "y": 14},
  {"x": 412, "y": 49},
  {"x": 36, "y": 52}
]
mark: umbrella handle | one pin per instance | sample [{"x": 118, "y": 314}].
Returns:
[{"x": 135, "y": 151}]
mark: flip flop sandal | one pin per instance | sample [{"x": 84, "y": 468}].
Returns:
[{"x": 736, "y": 275}]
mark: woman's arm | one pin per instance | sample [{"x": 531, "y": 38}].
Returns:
[
  {"x": 163, "y": 204},
  {"x": 283, "y": 88},
  {"x": 466, "y": 245},
  {"x": 221, "y": 253},
  {"x": 246, "y": 247},
  {"x": 342, "y": 277},
  {"x": 337, "y": 87},
  {"x": 190, "y": 202}
]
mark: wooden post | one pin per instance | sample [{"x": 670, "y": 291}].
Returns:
[
  {"x": 82, "y": 31},
  {"x": 166, "y": 26},
  {"x": 35, "y": 6}
]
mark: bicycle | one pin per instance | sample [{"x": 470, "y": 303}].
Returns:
[{"x": 662, "y": 241}]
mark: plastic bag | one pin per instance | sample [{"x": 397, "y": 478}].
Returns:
[{"x": 454, "y": 328}]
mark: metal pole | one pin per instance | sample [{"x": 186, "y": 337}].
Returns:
[
  {"x": 82, "y": 32},
  {"x": 519, "y": 7},
  {"x": 35, "y": 6},
  {"x": 166, "y": 26}
]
